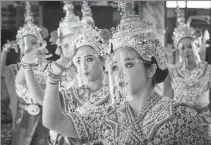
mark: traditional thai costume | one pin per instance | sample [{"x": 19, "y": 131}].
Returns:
[
  {"x": 28, "y": 125},
  {"x": 161, "y": 121},
  {"x": 189, "y": 86},
  {"x": 75, "y": 95}
]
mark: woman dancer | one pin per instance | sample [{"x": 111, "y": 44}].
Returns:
[
  {"x": 189, "y": 80},
  {"x": 29, "y": 128},
  {"x": 90, "y": 90},
  {"x": 145, "y": 118}
]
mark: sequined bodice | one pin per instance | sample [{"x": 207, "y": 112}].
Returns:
[
  {"x": 162, "y": 121},
  {"x": 23, "y": 92},
  {"x": 188, "y": 85},
  {"x": 81, "y": 99}
]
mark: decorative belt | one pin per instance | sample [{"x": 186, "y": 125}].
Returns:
[{"x": 32, "y": 109}]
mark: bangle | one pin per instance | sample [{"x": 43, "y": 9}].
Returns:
[
  {"x": 27, "y": 66},
  {"x": 54, "y": 79}
]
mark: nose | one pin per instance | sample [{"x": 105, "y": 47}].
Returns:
[
  {"x": 120, "y": 73},
  {"x": 84, "y": 65}
]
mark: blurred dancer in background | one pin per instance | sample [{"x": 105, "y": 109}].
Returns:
[
  {"x": 189, "y": 81},
  {"x": 28, "y": 126}
]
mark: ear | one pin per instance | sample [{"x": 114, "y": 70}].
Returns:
[{"x": 152, "y": 70}]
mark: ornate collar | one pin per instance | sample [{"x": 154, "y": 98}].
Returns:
[
  {"x": 191, "y": 77},
  {"x": 97, "y": 98}
]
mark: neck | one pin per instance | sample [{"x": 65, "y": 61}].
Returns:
[
  {"x": 190, "y": 64},
  {"x": 141, "y": 99},
  {"x": 95, "y": 85}
]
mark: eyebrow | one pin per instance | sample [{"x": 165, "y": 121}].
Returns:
[
  {"x": 85, "y": 56},
  {"x": 129, "y": 58}
]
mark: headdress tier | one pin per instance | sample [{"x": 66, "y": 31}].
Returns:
[
  {"x": 69, "y": 25},
  {"x": 89, "y": 34},
  {"x": 29, "y": 26},
  {"x": 134, "y": 32},
  {"x": 182, "y": 30}
]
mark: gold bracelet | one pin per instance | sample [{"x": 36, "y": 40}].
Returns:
[
  {"x": 54, "y": 79},
  {"x": 27, "y": 66}
]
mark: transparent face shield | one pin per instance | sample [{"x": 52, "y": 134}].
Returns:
[
  {"x": 119, "y": 79},
  {"x": 194, "y": 47},
  {"x": 30, "y": 45},
  {"x": 82, "y": 64}
]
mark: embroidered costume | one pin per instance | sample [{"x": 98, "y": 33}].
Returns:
[
  {"x": 75, "y": 96},
  {"x": 161, "y": 121},
  {"x": 190, "y": 86},
  {"x": 28, "y": 126}
]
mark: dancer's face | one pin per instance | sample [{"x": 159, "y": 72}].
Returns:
[
  {"x": 65, "y": 45},
  {"x": 29, "y": 43},
  {"x": 129, "y": 71},
  {"x": 88, "y": 63},
  {"x": 187, "y": 49}
]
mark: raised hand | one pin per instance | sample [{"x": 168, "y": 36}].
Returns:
[
  {"x": 10, "y": 45},
  {"x": 37, "y": 55},
  {"x": 63, "y": 63}
]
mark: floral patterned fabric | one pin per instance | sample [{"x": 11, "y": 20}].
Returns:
[
  {"x": 29, "y": 129},
  {"x": 188, "y": 85},
  {"x": 82, "y": 99},
  {"x": 79, "y": 99},
  {"x": 162, "y": 121}
]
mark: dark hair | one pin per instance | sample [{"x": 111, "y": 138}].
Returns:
[{"x": 160, "y": 75}]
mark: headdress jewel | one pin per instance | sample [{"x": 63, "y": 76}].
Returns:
[
  {"x": 70, "y": 24},
  {"x": 138, "y": 34},
  {"x": 182, "y": 30},
  {"x": 89, "y": 34},
  {"x": 29, "y": 26}
]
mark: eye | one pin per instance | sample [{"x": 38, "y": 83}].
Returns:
[
  {"x": 190, "y": 46},
  {"x": 34, "y": 43},
  {"x": 78, "y": 61},
  {"x": 89, "y": 59},
  {"x": 66, "y": 46},
  {"x": 114, "y": 68},
  {"x": 183, "y": 47},
  {"x": 129, "y": 65}
]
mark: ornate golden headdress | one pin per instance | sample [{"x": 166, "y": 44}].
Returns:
[
  {"x": 29, "y": 26},
  {"x": 89, "y": 34},
  {"x": 134, "y": 32},
  {"x": 182, "y": 30},
  {"x": 70, "y": 24}
]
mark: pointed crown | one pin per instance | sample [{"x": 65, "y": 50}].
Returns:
[
  {"x": 70, "y": 23},
  {"x": 182, "y": 30},
  {"x": 133, "y": 31},
  {"x": 89, "y": 34},
  {"x": 29, "y": 27}
]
